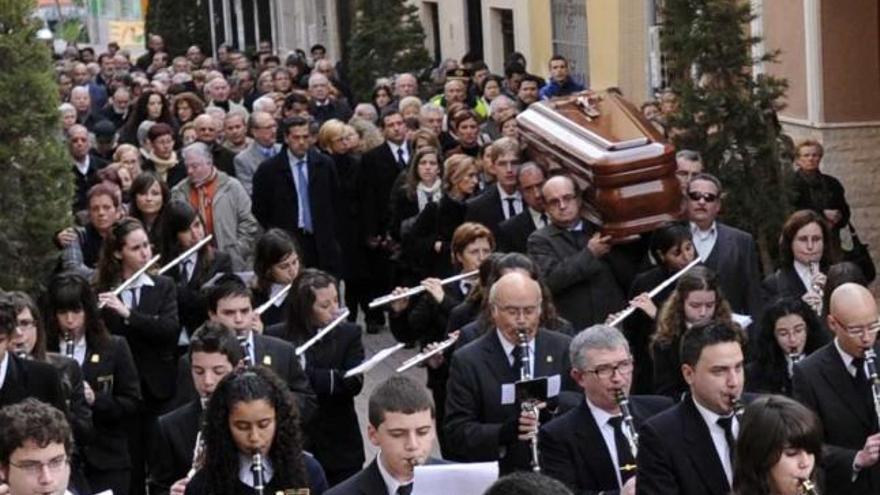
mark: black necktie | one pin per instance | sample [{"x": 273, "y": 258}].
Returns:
[
  {"x": 134, "y": 298},
  {"x": 511, "y": 209},
  {"x": 727, "y": 425},
  {"x": 543, "y": 220},
  {"x": 860, "y": 380},
  {"x": 625, "y": 459},
  {"x": 517, "y": 358},
  {"x": 401, "y": 162},
  {"x": 405, "y": 489},
  {"x": 429, "y": 198}
]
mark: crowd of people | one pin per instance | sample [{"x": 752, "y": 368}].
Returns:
[{"x": 273, "y": 200}]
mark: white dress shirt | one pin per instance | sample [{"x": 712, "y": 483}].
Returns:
[
  {"x": 394, "y": 151},
  {"x": 805, "y": 273},
  {"x": 718, "y": 438},
  {"x": 517, "y": 201},
  {"x": 391, "y": 483},
  {"x": 536, "y": 218},
  {"x": 4, "y": 368},
  {"x": 601, "y": 417},
  {"x": 143, "y": 281},
  {"x": 79, "y": 350},
  {"x": 704, "y": 240}
]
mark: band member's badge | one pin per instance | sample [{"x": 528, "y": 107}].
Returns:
[
  {"x": 95, "y": 358},
  {"x": 267, "y": 360}
]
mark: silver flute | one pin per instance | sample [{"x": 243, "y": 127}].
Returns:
[
  {"x": 257, "y": 469},
  {"x": 871, "y": 365},
  {"x": 628, "y": 422},
  {"x": 529, "y": 406}
]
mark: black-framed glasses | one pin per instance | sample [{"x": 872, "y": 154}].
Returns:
[
  {"x": 34, "y": 468},
  {"x": 606, "y": 371},
  {"x": 707, "y": 197}
]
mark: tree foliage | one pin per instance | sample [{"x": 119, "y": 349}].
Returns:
[
  {"x": 727, "y": 112},
  {"x": 36, "y": 184},
  {"x": 387, "y": 38},
  {"x": 181, "y": 23}
]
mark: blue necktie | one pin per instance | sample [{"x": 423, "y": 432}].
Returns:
[
  {"x": 268, "y": 152},
  {"x": 303, "y": 193}
]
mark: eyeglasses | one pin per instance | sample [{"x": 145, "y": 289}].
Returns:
[
  {"x": 858, "y": 331},
  {"x": 560, "y": 201},
  {"x": 25, "y": 323},
  {"x": 34, "y": 468},
  {"x": 606, "y": 371},
  {"x": 707, "y": 197},
  {"x": 517, "y": 311}
]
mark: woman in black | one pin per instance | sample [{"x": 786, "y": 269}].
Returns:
[
  {"x": 149, "y": 195},
  {"x": 789, "y": 332},
  {"x": 334, "y": 434},
  {"x": 150, "y": 105},
  {"x": 161, "y": 157},
  {"x": 111, "y": 387},
  {"x": 253, "y": 412},
  {"x": 276, "y": 265},
  {"x": 184, "y": 228}
]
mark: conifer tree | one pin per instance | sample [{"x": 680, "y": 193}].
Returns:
[
  {"x": 180, "y": 23},
  {"x": 727, "y": 112},
  {"x": 387, "y": 38},
  {"x": 36, "y": 184}
]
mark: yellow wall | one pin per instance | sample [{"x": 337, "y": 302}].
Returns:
[{"x": 618, "y": 44}]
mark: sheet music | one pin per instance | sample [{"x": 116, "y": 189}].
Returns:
[{"x": 459, "y": 479}]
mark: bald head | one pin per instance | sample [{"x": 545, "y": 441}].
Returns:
[
  {"x": 853, "y": 318},
  {"x": 516, "y": 305}
]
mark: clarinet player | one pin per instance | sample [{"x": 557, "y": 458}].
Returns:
[
  {"x": 590, "y": 448},
  {"x": 834, "y": 382}
]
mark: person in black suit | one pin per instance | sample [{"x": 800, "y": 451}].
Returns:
[
  {"x": 504, "y": 201},
  {"x": 276, "y": 266},
  {"x": 401, "y": 425},
  {"x": 230, "y": 303},
  {"x": 778, "y": 448},
  {"x": 145, "y": 314},
  {"x": 689, "y": 449},
  {"x": 252, "y": 412},
  {"x": 480, "y": 424},
  {"x": 333, "y": 434},
  {"x": 513, "y": 233},
  {"x": 833, "y": 382},
  {"x": 213, "y": 353},
  {"x": 729, "y": 252},
  {"x": 112, "y": 388},
  {"x": 805, "y": 254},
  {"x": 183, "y": 228},
  {"x": 574, "y": 258},
  {"x": 296, "y": 190},
  {"x": 380, "y": 168},
  {"x": 35, "y": 448},
  {"x": 602, "y": 365},
  {"x": 85, "y": 165},
  {"x": 789, "y": 331}
]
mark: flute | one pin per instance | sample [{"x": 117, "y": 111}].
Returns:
[
  {"x": 871, "y": 365},
  {"x": 628, "y": 423},
  {"x": 272, "y": 300},
  {"x": 525, "y": 373},
  {"x": 424, "y": 356},
  {"x": 186, "y": 254},
  {"x": 130, "y": 280},
  {"x": 656, "y": 290},
  {"x": 390, "y": 298},
  {"x": 257, "y": 469},
  {"x": 324, "y": 331}
]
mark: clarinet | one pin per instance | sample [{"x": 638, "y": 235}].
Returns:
[
  {"x": 242, "y": 341},
  {"x": 793, "y": 358},
  {"x": 871, "y": 364},
  {"x": 199, "y": 449},
  {"x": 819, "y": 289},
  {"x": 808, "y": 487},
  {"x": 525, "y": 373},
  {"x": 68, "y": 345},
  {"x": 257, "y": 469},
  {"x": 738, "y": 408},
  {"x": 628, "y": 423}
]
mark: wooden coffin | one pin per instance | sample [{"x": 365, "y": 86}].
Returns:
[{"x": 619, "y": 159}]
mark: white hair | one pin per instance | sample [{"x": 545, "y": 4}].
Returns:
[
  {"x": 262, "y": 102},
  {"x": 497, "y": 102},
  {"x": 199, "y": 150}
]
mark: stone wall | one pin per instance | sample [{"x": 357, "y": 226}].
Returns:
[{"x": 852, "y": 155}]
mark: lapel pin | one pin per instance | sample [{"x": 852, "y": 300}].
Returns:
[
  {"x": 267, "y": 360},
  {"x": 549, "y": 359},
  {"x": 95, "y": 358}
]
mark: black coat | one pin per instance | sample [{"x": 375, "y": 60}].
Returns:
[
  {"x": 350, "y": 232},
  {"x": 275, "y": 202},
  {"x": 639, "y": 327},
  {"x": 273, "y": 353},
  {"x": 174, "y": 441},
  {"x": 734, "y": 258},
  {"x": 676, "y": 454},
  {"x": 152, "y": 331},
  {"x": 112, "y": 375},
  {"x": 784, "y": 282},
  {"x": 192, "y": 302},
  {"x": 26, "y": 378},
  {"x": 379, "y": 170},
  {"x": 82, "y": 183},
  {"x": 820, "y": 192},
  {"x": 513, "y": 233},
  {"x": 573, "y": 450},
  {"x": 475, "y": 419},
  {"x": 368, "y": 481},
  {"x": 822, "y": 383},
  {"x": 486, "y": 209},
  {"x": 334, "y": 435},
  {"x": 79, "y": 413},
  {"x": 314, "y": 473},
  {"x": 585, "y": 289}
]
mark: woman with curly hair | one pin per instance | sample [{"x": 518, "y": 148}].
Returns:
[
  {"x": 697, "y": 299},
  {"x": 789, "y": 330},
  {"x": 252, "y": 412},
  {"x": 334, "y": 433},
  {"x": 150, "y": 105},
  {"x": 185, "y": 107},
  {"x": 778, "y": 448}
]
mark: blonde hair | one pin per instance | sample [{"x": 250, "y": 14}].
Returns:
[
  {"x": 456, "y": 167},
  {"x": 330, "y": 130}
]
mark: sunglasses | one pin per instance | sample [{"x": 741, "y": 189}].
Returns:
[{"x": 707, "y": 197}]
